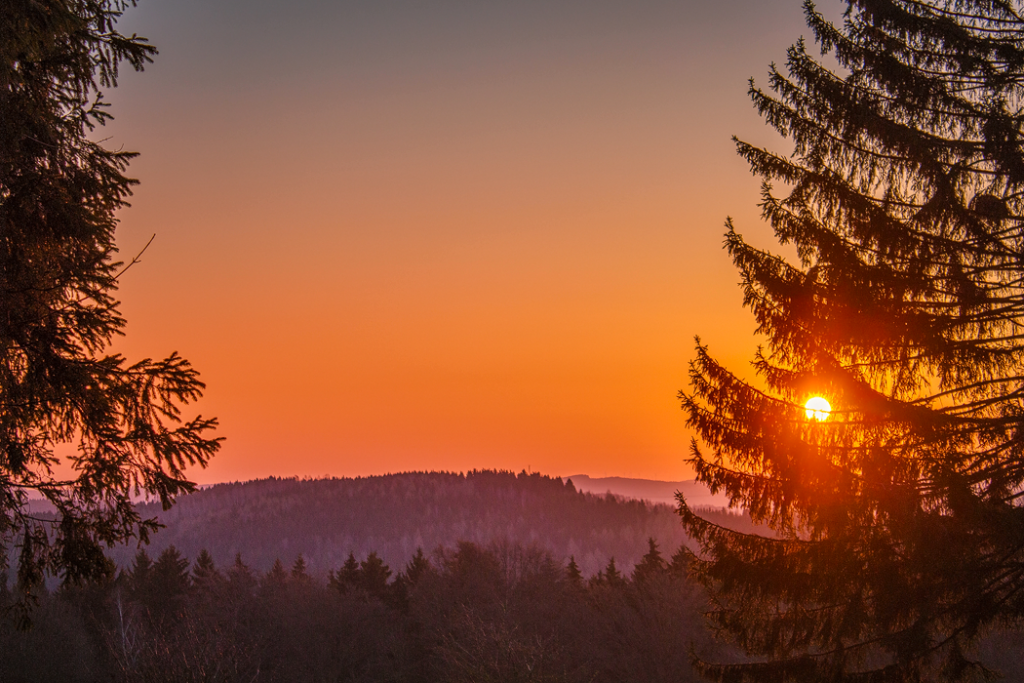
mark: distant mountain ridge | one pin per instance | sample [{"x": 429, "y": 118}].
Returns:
[{"x": 697, "y": 495}]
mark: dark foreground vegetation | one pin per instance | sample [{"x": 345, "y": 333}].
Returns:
[{"x": 469, "y": 613}]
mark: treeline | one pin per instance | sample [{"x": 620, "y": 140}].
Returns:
[
  {"x": 392, "y": 515},
  {"x": 469, "y": 613}
]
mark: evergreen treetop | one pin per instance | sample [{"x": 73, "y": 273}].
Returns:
[
  {"x": 204, "y": 571},
  {"x": 573, "y": 574},
  {"x": 417, "y": 567},
  {"x": 277, "y": 577},
  {"x": 374, "y": 575},
  {"x": 347, "y": 577},
  {"x": 652, "y": 564},
  {"x": 611, "y": 575},
  {"x": 299, "y": 572}
]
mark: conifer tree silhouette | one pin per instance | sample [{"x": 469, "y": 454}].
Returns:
[
  {"x": 573, "y": 575},
  {"x": 651, "y": 565},
  {"x": 60, "y": 387},
  {"x": 900, "y": 533}
]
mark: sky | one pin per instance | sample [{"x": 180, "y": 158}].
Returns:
[{"x": 443, "y": 235}]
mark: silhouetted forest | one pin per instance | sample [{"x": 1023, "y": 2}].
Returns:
[
  {"x": 393, "y": 515},
  {"x": 504, "y": 612}
]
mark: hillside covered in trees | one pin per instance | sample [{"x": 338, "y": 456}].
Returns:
[
  {"x": 245, "y": 602},
  {"x": 393, "y": 515}
]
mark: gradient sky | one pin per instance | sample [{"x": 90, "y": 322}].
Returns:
[{"x": 444, "y": 234}]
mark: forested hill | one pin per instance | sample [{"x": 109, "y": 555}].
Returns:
[{"x": 393, "y": 515}]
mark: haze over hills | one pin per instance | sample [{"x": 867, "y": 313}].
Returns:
[
  {"x": 393, "y": 515},
  {"x": 697, "y": 495}
]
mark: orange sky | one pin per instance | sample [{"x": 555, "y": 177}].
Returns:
[{"x": 449, "y": 235}]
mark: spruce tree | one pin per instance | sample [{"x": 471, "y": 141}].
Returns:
[
  {"x": 241, "y": 580},
  {"x": 898, "y": 529},
  {"x": 573, "y": 575},
  {"x": 611, "y": 576},
  {"x": 169, "y": 584},
  {"x": 277, "y": 577},
  {"x": 204, "y": 572},
  {"x": 299, "y": 573},
  {"x": 140, "y": 576},
  {"x": 62, "y": 392},
  {"x": 417, "y": 568},
  {"x": 347, "y": 577},
  {"x": 651, "y": 565},
  {"x": 680, "y": 563},
  {"x": 373, "y": 575}
]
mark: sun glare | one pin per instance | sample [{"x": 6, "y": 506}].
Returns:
[{"x": 817, "y": 408}]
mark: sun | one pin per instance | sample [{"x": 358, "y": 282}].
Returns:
[{"x": 817, "y": 408}]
